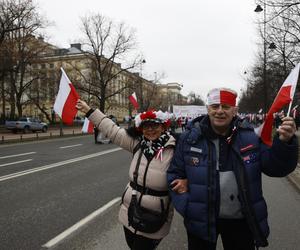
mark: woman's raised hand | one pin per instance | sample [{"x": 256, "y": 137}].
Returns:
[{"x": 82, "y": 106}]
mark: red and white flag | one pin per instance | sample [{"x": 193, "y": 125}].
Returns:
[
  {"x": 88, "y": 126},
  {"x": 295, "y": 112},
  {"x": 284, "y": 97},
  {"x": 66, "y": 100},
  {"x": 133, "y": 100}
]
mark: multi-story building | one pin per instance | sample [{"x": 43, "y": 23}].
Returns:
[
  {"x": 78, "y": 64},
  {"x": 170, "y": 94}
]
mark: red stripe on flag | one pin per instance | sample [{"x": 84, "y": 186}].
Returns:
[
  {"x": 90, "y": 128},
  {"x": 69, "y": 109},
  {"x": 282, "y": 98},
  {"x": 134, "y": 101},
  {"x": 227, "y": 97}
]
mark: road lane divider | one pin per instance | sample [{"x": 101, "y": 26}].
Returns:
[
  {"x": 71, "y": 146},
  {"x": 57, "y": 164},
  {"x": 79, "y": 224},
  {"x": 11, "y": 156},
  {"x": 15, "y": 162}
]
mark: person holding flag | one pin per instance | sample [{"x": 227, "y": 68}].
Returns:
[
  {"x": 146, "y": 211},
  {"x": 220, "y": 160}
]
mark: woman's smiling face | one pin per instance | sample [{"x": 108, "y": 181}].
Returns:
[{"x": 152, "y": 130}]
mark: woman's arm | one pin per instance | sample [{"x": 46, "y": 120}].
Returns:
[{"x": 107, "y": 127}]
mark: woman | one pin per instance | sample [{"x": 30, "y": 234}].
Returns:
[{"x": 146, "y": 195}]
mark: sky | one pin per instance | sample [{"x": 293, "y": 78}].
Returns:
[{"x": 199, "y": 44}]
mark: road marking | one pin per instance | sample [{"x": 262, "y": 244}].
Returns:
[
  {"x": 10, "y": 156},
  {"x": 75, "y": 145},
  {"x": 15, "y": 162},
  {"x": 80, "y": 223},
  {"x": 58, "y": 164}
]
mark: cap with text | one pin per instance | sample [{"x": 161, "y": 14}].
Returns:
[{"x": 221, "y": 96}]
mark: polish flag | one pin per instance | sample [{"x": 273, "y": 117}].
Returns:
[
  {"x": 66, "y": 100},
  {"x": 88, "y": 126},
  {"x": 284, "y": 97},
  {"x": 294, "y": 112},
  {"x": 133, "y": 100}
]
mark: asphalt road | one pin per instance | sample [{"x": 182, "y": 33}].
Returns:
[
  {"x": 47, "y": 187},
  {"x": 37, "y": 206}
]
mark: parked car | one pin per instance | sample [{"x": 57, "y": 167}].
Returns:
[
  {"x": 26, "y": 124},
  {"x": 78, "y": 120}
]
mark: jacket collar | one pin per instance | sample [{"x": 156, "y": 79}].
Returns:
[{"x": 200, "y": 127}]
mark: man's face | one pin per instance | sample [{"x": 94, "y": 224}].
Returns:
[{"x": 220, "y": 116}]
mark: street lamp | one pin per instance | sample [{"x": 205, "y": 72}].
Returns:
[
  {"x": 265, "y": 88},
  {"x": 271, "y": 46},
  {"x": 141, "y": 86}
]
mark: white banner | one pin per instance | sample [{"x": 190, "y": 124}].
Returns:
[{"x": 189, "y": 110}]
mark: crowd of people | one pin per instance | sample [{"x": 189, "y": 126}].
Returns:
[{"x": 211, "y": 174}]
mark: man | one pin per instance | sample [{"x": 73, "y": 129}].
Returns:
[{"x": 219, "y": 160}]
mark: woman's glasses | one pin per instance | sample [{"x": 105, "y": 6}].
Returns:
[{"x": 150, "y": 125}]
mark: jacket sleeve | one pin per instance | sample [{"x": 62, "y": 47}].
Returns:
[
  {"x": 110, "y": 130},
  {"x": 176, "y": 170},
  {"x": 281, "y": 159}
]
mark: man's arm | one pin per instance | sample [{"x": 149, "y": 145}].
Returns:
[
  {"x": 177, "y": 171},
  {"x": 282, "y": 158}
]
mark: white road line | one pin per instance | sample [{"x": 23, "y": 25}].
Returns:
[
  {"x": 58, "y": 164},
  {"x": 15, "y": 162},
  {"x": 80, "y": 223},
  {"x": 75, "y": 145},
  {"x": 10, "y": 156}
]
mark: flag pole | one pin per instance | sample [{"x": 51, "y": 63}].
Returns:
[{"x": 289, "y": 110}]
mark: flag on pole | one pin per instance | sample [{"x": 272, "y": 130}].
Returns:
[
  {"x": 66, "y": 100},
  {"x": 133, "y": 100},
  {"x": 284, "y": 96},
  {"x": 88, "y": 126},
  {"x": 295, "y": 112}
]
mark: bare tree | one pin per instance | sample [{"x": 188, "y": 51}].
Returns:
[
  {"x": 10, "y": 12},
  {"x": 195, "y": 99},
  {"x": 23, "y": 48},
  {"x": 108, "y": 44},
  {"x": 281, "y": 41}
]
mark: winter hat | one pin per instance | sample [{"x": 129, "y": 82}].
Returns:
[
  {"x": 221, "y": 96},
  {"x": 152, "y": 116}
]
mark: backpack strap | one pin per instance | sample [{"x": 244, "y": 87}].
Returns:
[{"x": 136, "y": 148}]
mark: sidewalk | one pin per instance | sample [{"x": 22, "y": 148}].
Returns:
[{"x": 55, "y": 132}]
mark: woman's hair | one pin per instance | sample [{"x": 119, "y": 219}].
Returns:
[{"x": 134, "y": 133}]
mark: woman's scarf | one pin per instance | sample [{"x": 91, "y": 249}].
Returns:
[{"x": 151, "y": 148}]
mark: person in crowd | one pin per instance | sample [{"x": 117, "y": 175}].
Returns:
[
  {"x": 183, "y": 123},
  {"x": 221, "y": 160},
  {"x": 146, "y": 211}
]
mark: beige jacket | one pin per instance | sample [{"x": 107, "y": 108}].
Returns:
[{"x": 155, "y": 178}]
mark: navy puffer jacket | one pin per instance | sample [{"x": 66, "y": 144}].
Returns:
[{"x": 195, "y": 159}]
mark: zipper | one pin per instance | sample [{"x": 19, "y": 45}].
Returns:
[
  {"x": 210, "y": 194},
  {"x": 248, "y": 209}
]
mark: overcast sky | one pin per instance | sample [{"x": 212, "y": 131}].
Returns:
[{"x": 200, "y": 44}]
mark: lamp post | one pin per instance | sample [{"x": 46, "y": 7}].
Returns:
[
  {"x": 271, "y": 46},
  {"x": 141, "y": 101},
  {"x": 265, "y": 89}
]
